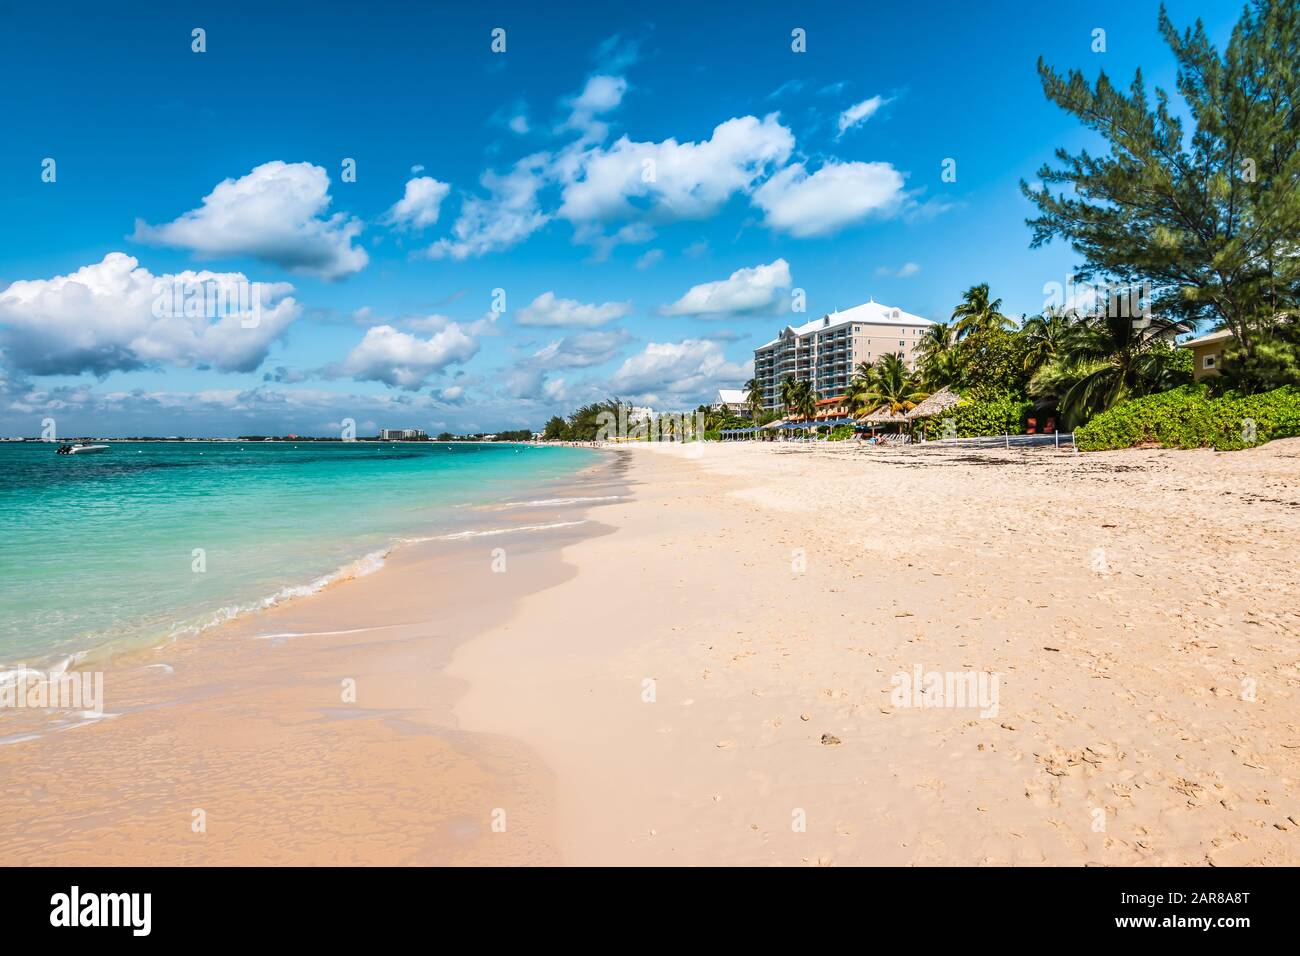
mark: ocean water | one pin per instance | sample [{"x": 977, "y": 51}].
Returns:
[{"x": 107, "y": 548}]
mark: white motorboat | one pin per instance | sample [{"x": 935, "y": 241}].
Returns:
[{"x": 80, "y": 449}]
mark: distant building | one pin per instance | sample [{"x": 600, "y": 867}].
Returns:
[
  {"x": 403, "y": 434},
  {"x": 826, "y": 351},
  {"x": 731, "y": 400},
  {"x": 1207, "y": 353}
]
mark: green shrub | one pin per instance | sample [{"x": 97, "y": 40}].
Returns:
[
  {"x": 975, "y": 418},
  {"x": 1188, "y": 417},
  {"x": 841, "y": 433}
]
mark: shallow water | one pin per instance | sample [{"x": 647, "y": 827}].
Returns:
[{"x": 155, "y": 539}]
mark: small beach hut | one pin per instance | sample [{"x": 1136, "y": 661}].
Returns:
[
  {"x": 937, "y": 403},
  {"x": 884, "y": 415}
]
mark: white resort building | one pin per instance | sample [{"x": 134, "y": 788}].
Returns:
[
  {"x": 825, "y": 351},
  {"x": 731, "y": 400}
]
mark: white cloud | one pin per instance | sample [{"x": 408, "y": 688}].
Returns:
[
  {"x": 668, "y": 181},
  {"x": 902, "y": 272},
  {"x": 650, "y": 259},
  {"x": 676, "y": 374},
  {"x": 115, "y": 315},
  {"x": 835, "y": 196},
  {"x": 518, "y": 124},
  {"x": 508, "y": 215},
  {"x": 601, "y": 94},
  {"x": 419, "y": 206},
  {"x": 276, "y": 214},
  {"x": 580, "y": 350},
  {"x": 859, "y": 113},
  {"x": 406, "y": 361},
  {"x": 744, "y": 291},
  {"x": 546, "y": 309}
]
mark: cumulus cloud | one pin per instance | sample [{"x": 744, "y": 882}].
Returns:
[
  {"x": 745, "y": 291},
  {"x": 676, "y": 374},
  {"x": 115, "y": 315},
  {"x": 532, "y": 384},
  {"x": 837, "y": 195},
  {"x": 509, "y": 214},
  {"x": 859, "y": 113},
  {"x": 277, "y": 213},
  {"x": 419, "y": 206},
  {"x": 546, "y": 309},
  {"x": 406, "y": 361},
  {"x": 667, "y": 181}
]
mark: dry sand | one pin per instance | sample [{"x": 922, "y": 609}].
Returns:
[{"x": 701, "y": 673}]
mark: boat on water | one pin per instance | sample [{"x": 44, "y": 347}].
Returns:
[{"x": 80, "y": 448}]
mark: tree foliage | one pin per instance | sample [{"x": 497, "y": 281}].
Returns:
[{"x": 1208, "y": 213}]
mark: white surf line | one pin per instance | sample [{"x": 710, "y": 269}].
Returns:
[
  {"x": 351, "y": 630},
  {"x": 461, "y": 535},
  {"x": 556, "y": 502}
]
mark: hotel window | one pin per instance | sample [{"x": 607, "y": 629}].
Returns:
[
  {"x": 901, "y": 342},
  {"x": 1208, "y": 361}
]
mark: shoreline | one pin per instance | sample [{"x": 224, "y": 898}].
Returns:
[
  {"x": 362, "y": 560},
  {"x": 700, "y": 672},
  {"x": 253, "y": 716}
]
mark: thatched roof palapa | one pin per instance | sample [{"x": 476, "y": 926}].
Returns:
[
  {"x": 883, "y": 416},
  {"x": 940, "y": 401}
]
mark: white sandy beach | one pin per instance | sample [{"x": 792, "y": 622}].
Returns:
[{"x": 700, "y": 673}]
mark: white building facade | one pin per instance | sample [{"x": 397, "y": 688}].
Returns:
[{"x": 825, "y": 351}]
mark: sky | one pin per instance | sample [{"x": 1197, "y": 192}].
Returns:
[{"x": 470, "y": 217}]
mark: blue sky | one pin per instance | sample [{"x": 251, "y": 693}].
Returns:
[{"x": 646, "y": 185}]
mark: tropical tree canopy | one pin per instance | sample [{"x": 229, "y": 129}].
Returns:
[
  {"x": 978, "y": 313},
  {"x": 1107, "y": 359},
  {"x": 890, "y": 383},
  {"x": 1208, "y": 213}
]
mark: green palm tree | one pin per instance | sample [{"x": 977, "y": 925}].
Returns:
[
  {"x": 754, "y": 400},
  {"x": 789, "y": 387},
  {"x": 891, "y": 383},
  {"x": 1045, "y": 338},
  {"x": 1110, "y": 358},
  {"x": 977, "y": 313},
  {"x": 937, "y": 356},
  {"x": 803, "y": 400}
]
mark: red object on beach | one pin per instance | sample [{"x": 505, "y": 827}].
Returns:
[{"x": 1030, "y": 426}]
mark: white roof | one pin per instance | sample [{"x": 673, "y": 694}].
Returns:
[
  {"x": 1203, "y": 339},
  {"x": 869, "y": 313},
  {"x": 731, "y": 396}
]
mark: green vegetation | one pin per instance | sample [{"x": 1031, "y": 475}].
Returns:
[
  {"x": 888, "y": 382},
  {"x": 1002, "y": 415},
  {"x": 1206, "y": 218},
  {"x": 1189, "y": 417},
  {"x": 798, "y": 397}
]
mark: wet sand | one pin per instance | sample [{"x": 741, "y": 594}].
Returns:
[{"x": 244, "y": 745}]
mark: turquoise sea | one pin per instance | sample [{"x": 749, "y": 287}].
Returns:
[{"x": 156, "y": 539}]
